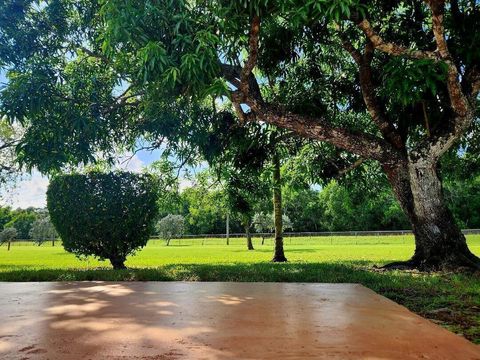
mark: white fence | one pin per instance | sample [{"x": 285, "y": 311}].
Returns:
[
  {"x": 315, "y": 234},
  {"x": 339, "y": 237}
]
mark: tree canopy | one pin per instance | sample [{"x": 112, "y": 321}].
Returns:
[{"x": 392, "y": 82}]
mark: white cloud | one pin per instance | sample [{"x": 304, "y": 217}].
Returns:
[
  {"x": 184, "y": 183},
  {"x": 131, "y": 163},
  {"x": 32, "y": 189},
  {"x": 29, "y": 191}
]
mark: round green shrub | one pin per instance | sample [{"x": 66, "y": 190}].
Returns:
[{"x": 106, "y": 215}]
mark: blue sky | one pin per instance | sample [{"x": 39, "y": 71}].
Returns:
[{"x": 2, "y": 78}]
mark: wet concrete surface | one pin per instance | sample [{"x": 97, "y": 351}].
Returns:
[{"x": 176, "y": 320}]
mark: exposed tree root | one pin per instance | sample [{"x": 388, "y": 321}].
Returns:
[
  {"x": 399, "y": 265},
  {"x": 463, "y": 262}
]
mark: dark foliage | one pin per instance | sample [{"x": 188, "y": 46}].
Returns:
[{"x": 105, "y": 215}]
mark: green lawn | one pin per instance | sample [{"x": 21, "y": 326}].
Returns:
[{"x": 453, "y": 300}]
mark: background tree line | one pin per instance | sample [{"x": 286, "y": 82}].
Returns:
[{"x": 336, "y": 206}]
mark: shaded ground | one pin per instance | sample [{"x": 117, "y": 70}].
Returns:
[{"x": 156, "y": 320}]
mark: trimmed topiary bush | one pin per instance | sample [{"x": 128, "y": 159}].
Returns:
[{"x": 106, "y": 215}]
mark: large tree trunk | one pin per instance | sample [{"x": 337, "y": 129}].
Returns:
[
  {"x": 279, "y": 255},
  {"x": 439, "y": 242}
]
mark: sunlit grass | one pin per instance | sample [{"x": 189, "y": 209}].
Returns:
[{"x": 371, "y": 250}]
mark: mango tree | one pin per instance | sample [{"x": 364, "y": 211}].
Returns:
[{"x": 392, "y": 82}]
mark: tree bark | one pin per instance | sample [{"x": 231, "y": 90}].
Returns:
[
  {"x": 279, "y": 255},
  {"x": 118, "y": 262},
  {"x": 248, "y": 235},
  {"x": 439, "y": 242}
]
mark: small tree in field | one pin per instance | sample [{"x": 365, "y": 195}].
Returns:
[
  {"x": 42, "y": 230},
  {"x": 266, "y": 222},
  {"x": 7, "y": 235},
  {"x": 106, "y": 215},
  {"x": 287, "y": 223},
  {"x": 263, "y": 223},
  {"x": 170, "y": 227}
]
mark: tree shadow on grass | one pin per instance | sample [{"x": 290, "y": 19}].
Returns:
[{"x": 322, "y": 272}]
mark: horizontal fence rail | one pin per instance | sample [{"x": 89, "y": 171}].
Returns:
[
  {"x": 337, "y": 237},
  {"x": 315, "y": 234}
]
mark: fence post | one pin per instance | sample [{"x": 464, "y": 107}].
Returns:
[{"x": 228, "y": 228}]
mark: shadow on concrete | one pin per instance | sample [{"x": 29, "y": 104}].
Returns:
[{"x": 214, "y": 320}]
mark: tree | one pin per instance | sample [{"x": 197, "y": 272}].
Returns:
[
  {"x": 279, "y": 255},
  {"x": 42, "y": 229},
  {"x": 171, "y": 227},
  {"x": 6, "y": 215},
  {"x": 304, "y": 209},
  {"x": 7, "y": 235},
  {"x": 266, "y": 223},
  {"x": 251, "y": 151},
  {"x": 263, "y": 223},
  {"x": 242, "y": 191},
  {"x": 287, "y": 223},
  {"x": 106, "y": 215},
  {"x": 395, "y": 83},
  {"x": 22, "y": 221},
  {"x": 168, "y": 186},
  {"x": 204, "y": 209}
]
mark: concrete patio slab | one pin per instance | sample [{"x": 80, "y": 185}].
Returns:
[{"x": 155, "y": 320}]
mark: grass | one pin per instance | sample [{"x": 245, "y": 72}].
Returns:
[{"x": 452, "y": 300}]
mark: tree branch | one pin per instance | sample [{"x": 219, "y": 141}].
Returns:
[
  {"x": 363, "y": 144},
  {"x": 458, "y": 100},
  {"x": 356, "y": 55},
  {"x": 474, "y": 78},
  {"x": 438, "y": 144},
  {"x": 435, "y": 146},
  {"x": 252, "y": 55},
  {"x": 392, "y": 48},
  {"x": 350, "y": 167},
  {"x": 94, "y": 54},
  {"x": 376, "y": 111}
]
